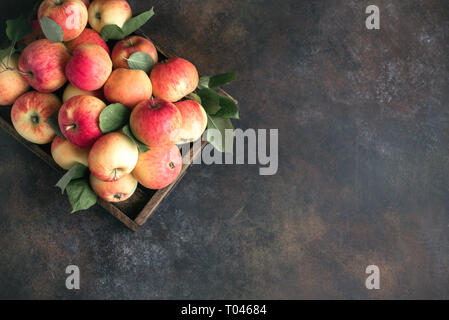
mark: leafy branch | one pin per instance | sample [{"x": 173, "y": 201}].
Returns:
[{"x": 15, "y": 30}]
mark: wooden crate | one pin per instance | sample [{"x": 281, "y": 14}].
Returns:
[{"x": 133, "y": 212}]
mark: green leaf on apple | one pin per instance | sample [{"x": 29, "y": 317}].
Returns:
[
  {"x": 17, "y": 29},
  {"x": 220, "y": 80},
  {"x": 140, "y": 61},
  {"x": 54, "y": 124},
  {"x": 194, "y": 97},
  {"x": 133, "y": 24},
  {"x": 210, "y": 100},
  {"x": 114, "y": 32},
  {"x": 140, "y": 145},
  {"x": 77, "y": 171},
  {"x": 219, "y": 141},
  {"x": 51, "y": 29},
  {"x": 81, "y": 195},
  {"x": 228, "y": 108},
  {"x": 114, "y": 117}
]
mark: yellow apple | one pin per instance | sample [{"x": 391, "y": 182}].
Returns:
[
  {"x": 194, "y": 121},
  {"x": 105, "y": 12},
  {"x": 115, "y": 191},
  {"x": 12, "y": 83},
  {"x": 72, "y": 91},
  {"x": 113, "y": 156},
  {"x": 66, "y": 155},
  {"x": 30, "y": 113}
]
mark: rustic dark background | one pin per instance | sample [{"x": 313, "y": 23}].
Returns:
[{"x": 363, "y": 173}]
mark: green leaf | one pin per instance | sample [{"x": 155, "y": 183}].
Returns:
[
  {"x": 194, "y": 97},
  {"x": 141, "y": 146},
  {"x": 112, "y": 32},
  {"x": 51, "y": 29},
  {"x": 203, "y": 82},
  {"x": 54, "y": 124},
  {"x": 140, "y": 61},
  {"x": 77, "y": 171},
  {"x": 17, "y": 29},
  {"x": 135, "y": 23},
  {"x": 220, "y": 80},
  {"x": 81, "y": 195},
  {"x": 210, "y": 100},
  {"x": 114, "y": 117},
  {"x": 228, "y": 108},
  {"x": 219, "y": 141},
  {"x": 6, "y": 52}
]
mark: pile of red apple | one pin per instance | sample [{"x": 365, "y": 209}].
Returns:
[{"x": 122, "y": 113}]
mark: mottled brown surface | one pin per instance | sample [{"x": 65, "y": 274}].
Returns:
[{"x": 363, "y": 175}]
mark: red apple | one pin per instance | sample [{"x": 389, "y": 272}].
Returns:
[
  {"x": 115, "y": 191},
  {"x": 104, "y": 12},
  {"x": 158, "y": 167},
  {"x": 174, "y": 79},
  {"x": 89, "y": 67},
  {"x": 194, "y": 121},
  {"x": 71, "y": 15},
  {"x": 112, "y": 157},
  {"x": 66, "y": 155},
  {"x": 45, "y": 62},
  {"x": 72, "y": 91},
  {"x": 128, "y": 87},
  {"x": 12, "y": 83},
  {"x": 30, "y": 113},
  {"x": 87, "y": 36},
  {"x": 79, "y": 120},
  {"x": 126, "y": 47},
  {"x": 156, "y": 122}
]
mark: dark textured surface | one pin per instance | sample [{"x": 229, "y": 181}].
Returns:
[{"x": 363, "y": 175}]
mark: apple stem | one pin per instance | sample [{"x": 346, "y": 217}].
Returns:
[
  {"x": 67, "y": 128},
  {"x": 15, "y": 70},
  {"x": 23, "y": 73},
  {"x": 115, "y": 174}
]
